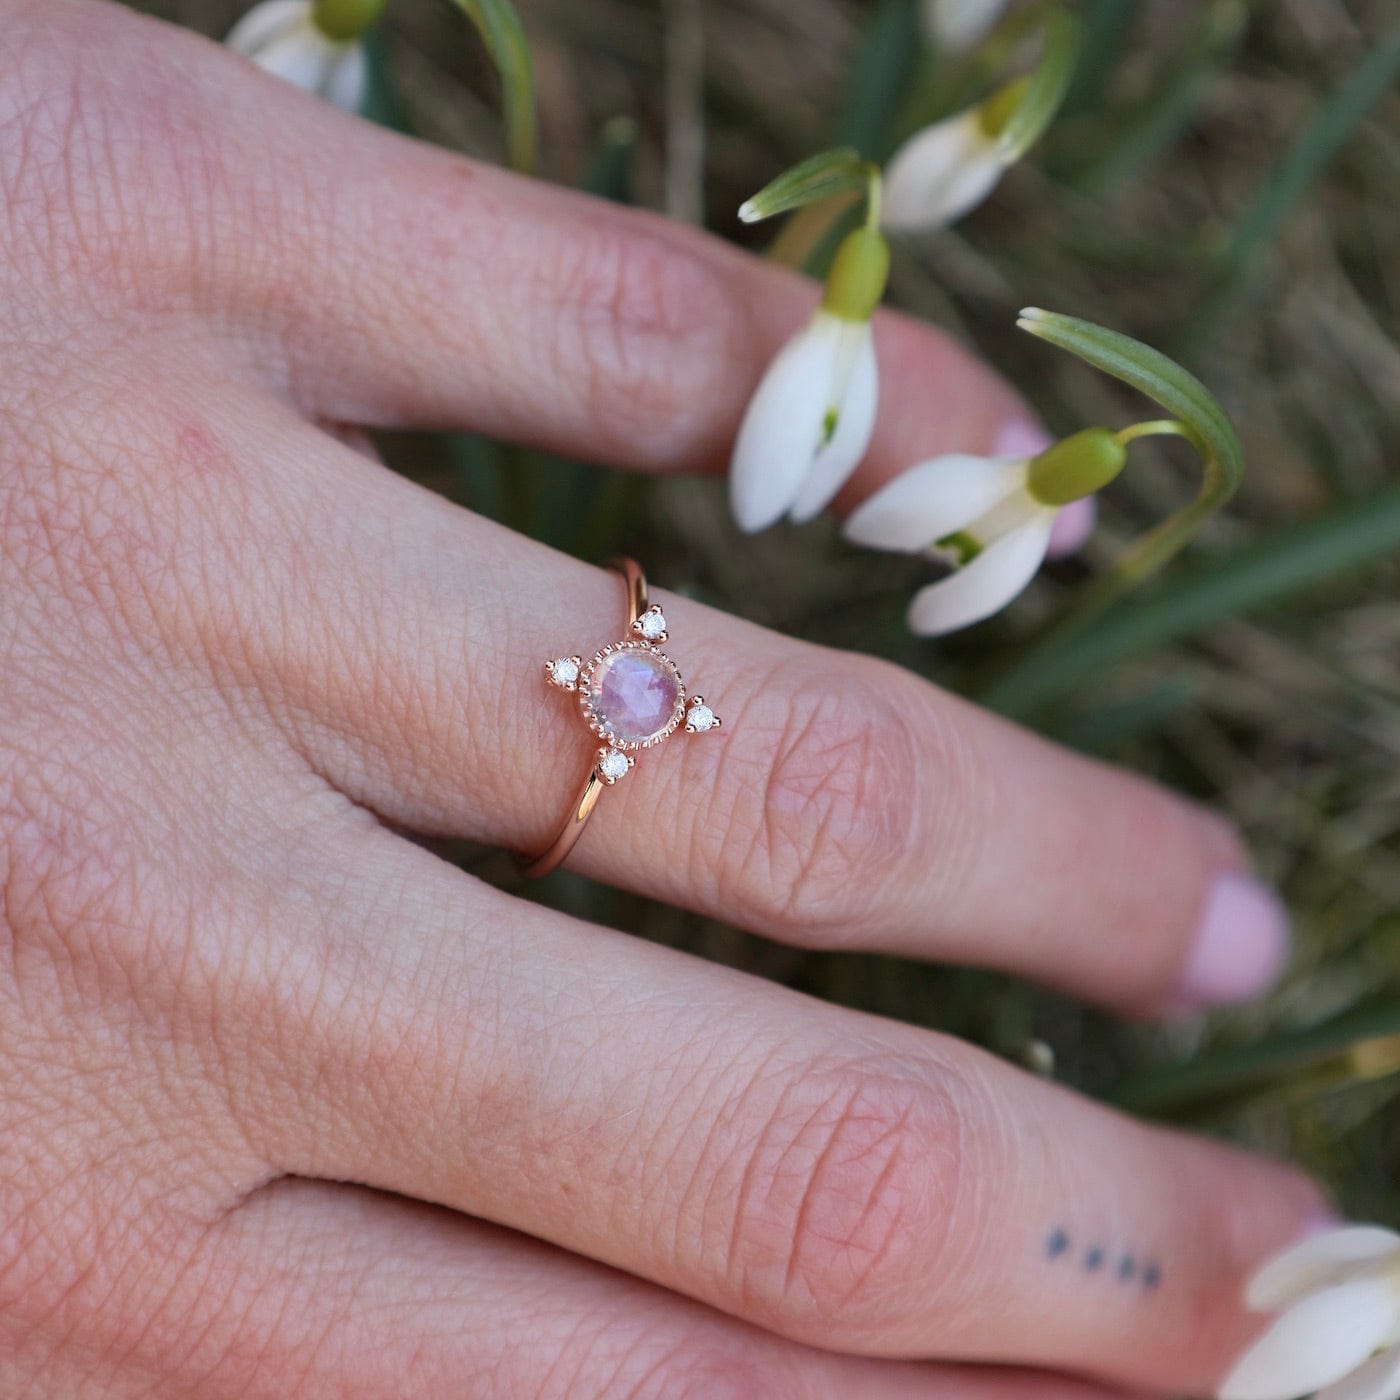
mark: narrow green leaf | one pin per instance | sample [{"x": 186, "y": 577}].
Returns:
[
  {"x": 1048, "y": 84},
  {"x": 609, "y": 173},
  {"x": 1133, "y": 141},
  {"x": 880, "y": 76},
  {"x": 505, "y": 40},
  {"x": 1191, "y": 601},
  {"x": 1239, "y": 1070},
  {"x": 838, "y": 171},
  {"x": 1105, "y": 26},
  {"x": 1289, "y": 181}
]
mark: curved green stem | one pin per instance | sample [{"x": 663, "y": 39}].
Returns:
[
  {"x": 1197, "y": 417},
  {"x": 504, "y": 36},
  {"x": 874, "y": 196},
  {"x": 1157, "y": 427}
]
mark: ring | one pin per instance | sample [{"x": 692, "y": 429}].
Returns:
[{"x": 631, "y": 695}]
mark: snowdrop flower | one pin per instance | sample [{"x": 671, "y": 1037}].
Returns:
[
  {"x": 989, "y": 518},
  {"x": 947, "y": 169},
  {"x": 958, "y": 26},
  {"x": 811, "y": 418},
  {"x": 1337, "y": 1332},
  {"x": 313, "y": 44}
]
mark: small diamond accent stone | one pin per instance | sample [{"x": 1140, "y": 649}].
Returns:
[
  {"x": 700, "y": 718},
  {"x": 612, "y": 764},
  {"x": 564, "y": 671},
  {"x": 652, "y": 625}
]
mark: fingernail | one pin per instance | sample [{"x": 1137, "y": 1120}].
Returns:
[
  {"x": 1241, "y": 944},
  {"x": 1321, "y": 1221},
  {"x": 1073, "y": 526},
  {"x": 1021, "y": 438}
]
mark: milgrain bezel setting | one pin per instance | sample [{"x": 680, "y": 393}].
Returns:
[{"x": 590, "y": 714}]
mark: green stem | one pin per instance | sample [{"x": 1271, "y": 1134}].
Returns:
[
  {"x": 874, "y": 197},
  {"x": 1157, "y": 427}
]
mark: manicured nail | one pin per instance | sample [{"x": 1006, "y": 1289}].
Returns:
[
  {"x": 1241, "y": 944},
  {"x": 1073, "y": 526},
  {"x": 1021, "y": 438},
  {"x": 1321, "y": 1221}
]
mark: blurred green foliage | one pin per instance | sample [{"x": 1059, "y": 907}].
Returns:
[{"x": 1224, "y": 179}]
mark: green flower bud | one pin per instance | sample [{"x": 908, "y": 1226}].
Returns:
[
  {"x": 343, "y": 20},
  {"x": 858, "y": 274},
  {"x": 1077, "y": 467}
]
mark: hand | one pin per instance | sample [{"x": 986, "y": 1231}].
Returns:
[{"x": 273, "y": 1077}]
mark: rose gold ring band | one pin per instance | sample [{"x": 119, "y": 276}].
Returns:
[{"x": 567, "y": 836}]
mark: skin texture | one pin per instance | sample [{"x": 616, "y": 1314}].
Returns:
[{"x": 290, "y": 1106}]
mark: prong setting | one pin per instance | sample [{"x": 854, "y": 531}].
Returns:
[
  {"x": 613, "y": 764},
  {"x": 564, "y": 671},
  {"x": 651, "y": 625},
  {"x": 700, "y": 718}
]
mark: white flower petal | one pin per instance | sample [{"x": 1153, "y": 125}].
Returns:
[
  {"x": 959, "y": 25},
  {"x": 783, "y": 432},
  {"x": 348, "y": 81},
  {"x": 303, "y": 59},
  {"x": 933, "y": 499},
  {"x": 855, "y": 423},
  {"x": 281, "y": 38},
  {"x": 266, "y": 23},
  {"x": 939, "y": 174},
  {"x": 987, "y": 584},
  {"x": 1319, "y": 1340},
  {"x": 1376, "y": 1379},
  {"x": 1317, "y": 1262}
]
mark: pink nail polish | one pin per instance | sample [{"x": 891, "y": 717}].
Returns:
[
  {"x": 1073, "y": 526},
  {"x": 1241, "y": 944},
  {"x": 1021, "y": 438}
]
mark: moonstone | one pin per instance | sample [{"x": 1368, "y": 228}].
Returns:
[{"x": 633, "y": 695}]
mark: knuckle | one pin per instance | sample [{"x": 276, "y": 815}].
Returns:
[
  {"x": 840, "y": 1197},
  {"x": 652, "y": 339},
  {"x": 828, "y": 798}
]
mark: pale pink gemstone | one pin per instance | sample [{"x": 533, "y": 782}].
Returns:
[{"x": 634, "y": 694}]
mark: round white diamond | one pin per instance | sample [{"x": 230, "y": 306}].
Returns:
[
  {"x": 564, "y": 671},
  {"x": 651, "y": 625},
  {"x": 613, "y": 764},
  {"x": 700, "y": 718}
]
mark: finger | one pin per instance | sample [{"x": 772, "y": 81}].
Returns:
[
  {"x": 846, "y": 1182},
  {"x": 383, "y": 281},
  {"x": 342, "y": 1293},
  {"x": 845, "y": 803}
]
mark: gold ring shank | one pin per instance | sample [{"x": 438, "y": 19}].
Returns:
[{"x": 567, "y": 836}]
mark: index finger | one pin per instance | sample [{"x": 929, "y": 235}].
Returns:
[{"x": 386, "y": 282}]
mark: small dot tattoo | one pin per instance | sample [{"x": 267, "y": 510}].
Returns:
[
  {"x": 1127, "y": 1267},
  {"x": 1093, "y": 1259},
  {"x": 1151, "y": 1277},
  {"x": 1057, "y": 1244}
]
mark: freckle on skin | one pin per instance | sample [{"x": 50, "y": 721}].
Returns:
[{"x": 198, "y": 449}]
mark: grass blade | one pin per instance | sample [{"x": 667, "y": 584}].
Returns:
[{"x": 1191, "y": 601}]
